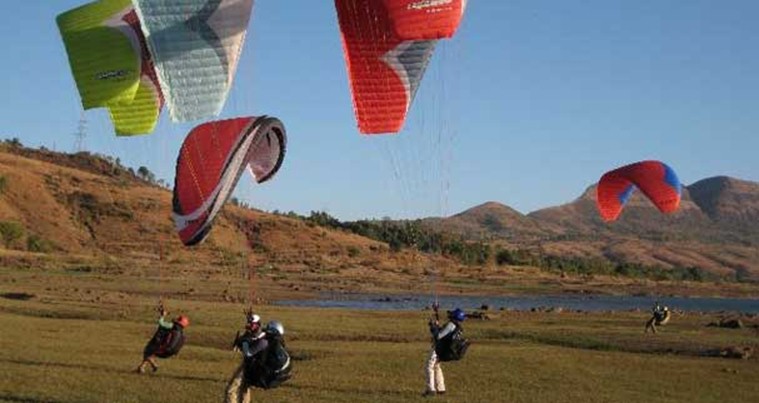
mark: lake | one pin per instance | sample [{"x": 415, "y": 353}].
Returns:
[{"x": 571, "y": 302}]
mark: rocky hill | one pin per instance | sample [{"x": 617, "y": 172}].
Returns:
[
  {"x": 716, "y": 228},
  {"x": 78, "y": 206}
]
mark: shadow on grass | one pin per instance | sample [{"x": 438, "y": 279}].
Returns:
[
  {"x": 21, "y": 399},
  {"x": 647, "y": 344},
  {"x": 305, "y": 355},
  {"x": 347, "y": 390},
  {"x": 20, "y": 296},
  {"x": 112, "y": 370},
  {"x": 49, "y": 315},
  {"x": 372, "y": 338}
]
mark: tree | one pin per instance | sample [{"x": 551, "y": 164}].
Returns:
[
  {"x": 145, "y": 174},
  {"x": 323, "y": 219},
  {"x": 10, "y": 232},
  {"x": 14, "y": 142},
  {"x": 492, "y": 223},
  {"x": 503, "y": 257}
]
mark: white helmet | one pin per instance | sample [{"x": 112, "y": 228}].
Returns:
[
  {"x": 276, "y": 326},
  {"x": 251, "y": 320}
]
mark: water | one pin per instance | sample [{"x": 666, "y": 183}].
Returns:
[{"x": 572, "y": 302}]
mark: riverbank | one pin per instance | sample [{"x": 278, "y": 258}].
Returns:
[
  {"x": 76, "y": 336},
  {"x": 533, "y": 303},
  {"x": 231, "y": 283},
  {"x": 86, "y": 352}
]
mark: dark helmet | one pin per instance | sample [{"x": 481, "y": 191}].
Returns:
[
  {"x": 276, "y": 326},
  {"x": 457, "y": 315},
  {"x": 182, "y": 320}
]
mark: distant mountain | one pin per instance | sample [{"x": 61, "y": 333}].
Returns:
[
  {"x": 728, "y": 201},
  {"x": 77, "y": 205},
  {"x": 487, "y": 220},
  {"x": 639, "y": 218},
  {"x": 715, "y": 228}
]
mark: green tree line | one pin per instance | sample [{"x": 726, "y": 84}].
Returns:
[{"x": 412, "y": 234}]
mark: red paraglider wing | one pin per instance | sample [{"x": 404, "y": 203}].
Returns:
[
  {"x": 211, "y": 161},
  {"x": 387, "y": 46},
  {"x": 655, "y": 179},
  {"x": 425, "y": 19}
]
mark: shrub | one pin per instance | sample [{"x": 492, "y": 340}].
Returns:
[
  {"x": 492, "y": 223},
  {"x": 14, "y": 142},
  {"x": 35, "y": 243},
  {"x": 504, "y": 257},
  {"x": 519, "y": 257},
  {"x": 11, "y": 232},
  {"x": 353, "y": 251},
  {"x": 144, "y": 173}
]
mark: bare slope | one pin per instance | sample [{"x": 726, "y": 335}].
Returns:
[
  {"x": 98, "y": 209},
  {"x": 716, "y": 228},
  {"x": 83, "y": 205}
]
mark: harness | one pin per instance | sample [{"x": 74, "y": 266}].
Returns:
[
  {"x": 271, "y": 367},
  {"x": 453, "y": 346},
  {"x": 170, "y": 343}
]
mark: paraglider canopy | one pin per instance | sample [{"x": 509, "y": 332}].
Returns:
[
  {"x": 387, "y": 46},
  {"x": 127, "y": 55},
  {"x": 211, "y": 161},
  {"x": 654, "y": 178},
  {"x": 111, "y": 64},
  {"x": 195, "y": 45}
]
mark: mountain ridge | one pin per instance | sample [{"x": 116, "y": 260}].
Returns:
[
  {"x": 84, "y": 204},
  {"x": 716, "y": 227}
]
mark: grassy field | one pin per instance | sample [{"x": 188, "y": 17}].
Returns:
[{"x": 77, "y": 335}]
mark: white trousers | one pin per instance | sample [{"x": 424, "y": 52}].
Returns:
[
  {"x": 435, "y": 381},
  {"x": 238, "y": 390}
]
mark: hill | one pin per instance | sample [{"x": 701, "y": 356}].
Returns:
[
  {"x": 88, "y": 212},
  {"x": 83, "y": 210},
  {"x": 716, "y": 229},
  {"x": 488, "y": 220}
]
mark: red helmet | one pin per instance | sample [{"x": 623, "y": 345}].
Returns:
[{"x": 182, "y": 320}]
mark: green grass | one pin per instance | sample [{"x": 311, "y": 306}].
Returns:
[{"x": 81, "y": 336}]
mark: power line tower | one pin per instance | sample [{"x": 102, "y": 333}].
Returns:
[{"x": 81, "y": 133}]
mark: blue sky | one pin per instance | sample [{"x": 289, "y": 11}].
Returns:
[{"x": 530, "y": 103}]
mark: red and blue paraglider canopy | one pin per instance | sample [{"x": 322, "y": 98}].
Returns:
[{"x": 654, "y": 178}]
